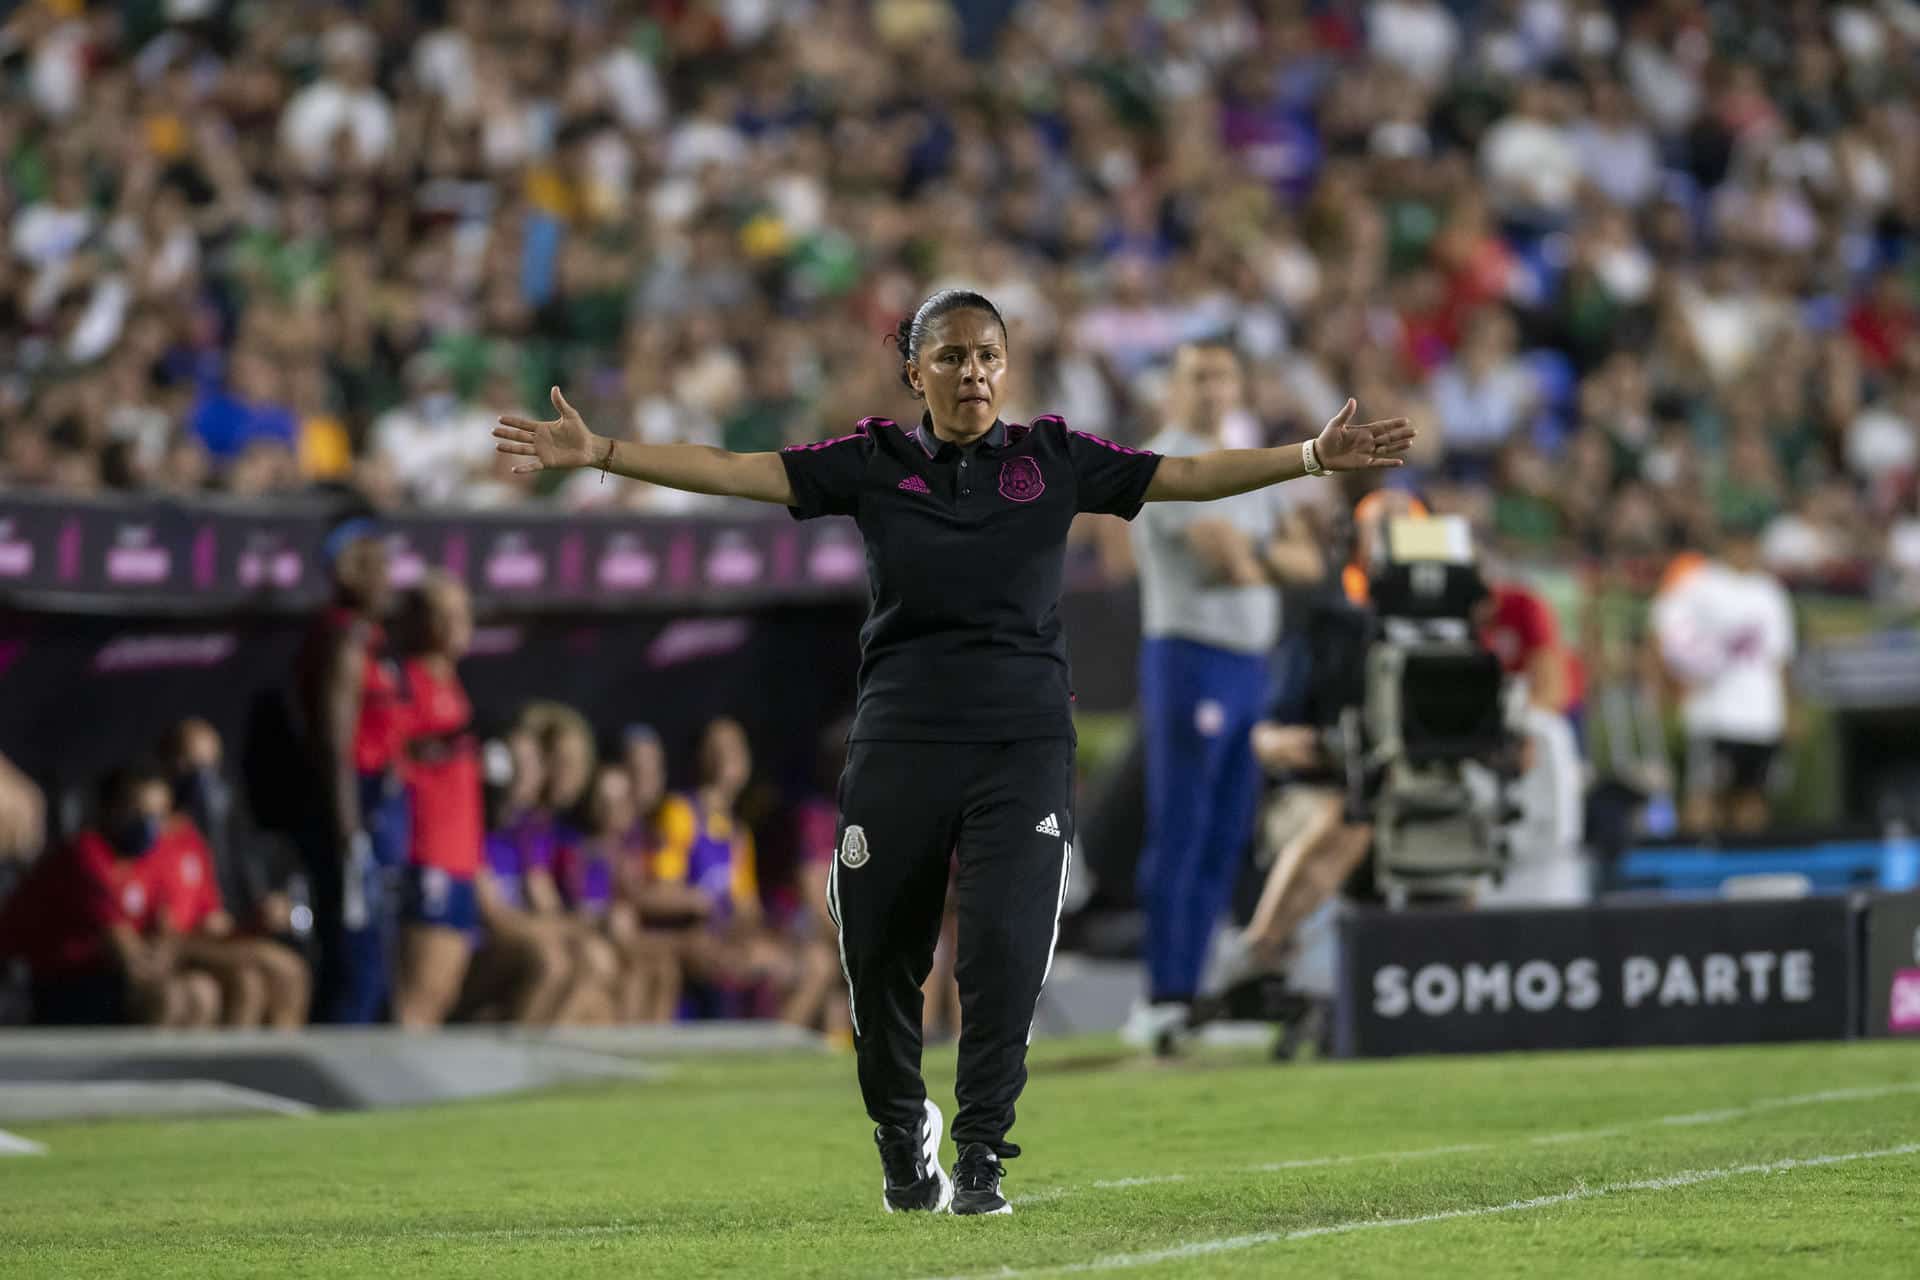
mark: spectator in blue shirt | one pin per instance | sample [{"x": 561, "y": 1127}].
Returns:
[{"x": 247, "y": 410}]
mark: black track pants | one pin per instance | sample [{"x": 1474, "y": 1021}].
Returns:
[{"x": 1004, "y": 811}]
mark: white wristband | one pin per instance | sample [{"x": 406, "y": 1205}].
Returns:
[{"x": 1311, "y": 460}]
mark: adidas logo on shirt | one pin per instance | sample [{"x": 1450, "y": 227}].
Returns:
[{"x": 1049, "y": 826}]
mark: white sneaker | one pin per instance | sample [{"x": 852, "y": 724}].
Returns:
[
  {"x": 1155, "y": 1027},
  {"x": 911, "y": 1177}
]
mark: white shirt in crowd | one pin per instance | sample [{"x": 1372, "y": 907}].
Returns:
[
  {"x": 1533, "y": 164},
  {"x": 1478, "y": 414},
  {"x": 324, "y": 108},
  {"x": 1728, "y": 636},
  {"x": 1419, "y": 36},
  {"x": 1623, "y": 161},
  {"x": 45, "y": 232},
  {"x": 436, "y": 445}
]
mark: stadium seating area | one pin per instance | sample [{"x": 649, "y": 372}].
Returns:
[
  {"x": 1643, "y": 273},
  {"x": 1637, "y": 268}
]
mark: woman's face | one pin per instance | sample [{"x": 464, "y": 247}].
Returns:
[
  {"x": 569, "y": 768},
  {"x": 613, "y": 812},
  {"x": 725, "y": 762},
  {"x": 529, "y": 769},
  {"x": 647, "y": 771},
  {"x": 959, "y": 370},
  {"x": 362, "y": 570},
  {"x": 452, "y": 624}
]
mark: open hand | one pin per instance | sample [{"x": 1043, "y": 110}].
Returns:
[
  {"x": 1348, "y": 446},
  {"x": 558, "y": 445}
]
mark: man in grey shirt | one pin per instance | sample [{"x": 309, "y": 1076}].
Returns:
[{"x": 1210, "y": 618}]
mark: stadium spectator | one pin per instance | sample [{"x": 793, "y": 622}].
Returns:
[
  {"x": 341, "y": 123},
  {"x": 428, "y": 441},
  {"x": 1726, "y": 631},
  {"x": 1481, "y": 399},
  {"x": 243, "y": 424},
  {"x": 88, "y": 919},
  {"x": 440, "y": 905}
]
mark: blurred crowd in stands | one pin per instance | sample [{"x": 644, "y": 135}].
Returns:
[{"x": 1638, "y": 269}]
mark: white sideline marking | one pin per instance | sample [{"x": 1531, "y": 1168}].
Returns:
[
  {"x": 12, "y": 1144},
  {"x": 1321, "y": 1162},
  {"x": 1863, "y": 1093},
  {"x": 1226, "y": 1244}
]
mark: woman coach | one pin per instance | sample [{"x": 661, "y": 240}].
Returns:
[{"x": 962, "y": 743}]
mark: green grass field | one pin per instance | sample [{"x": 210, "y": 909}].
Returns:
[{"x": 1729, "y": 1162}]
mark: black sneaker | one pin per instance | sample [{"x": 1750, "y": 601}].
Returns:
[
  {"x": 976, "y": 1181},
  {"x": 910, "y": 1159}
]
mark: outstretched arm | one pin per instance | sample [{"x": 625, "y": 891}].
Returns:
[
  {"x": 565, "y": 442},
  {"x": 1342, "y": 446}
]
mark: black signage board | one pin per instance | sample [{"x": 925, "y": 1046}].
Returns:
[{"x": 1693, "y": 973}]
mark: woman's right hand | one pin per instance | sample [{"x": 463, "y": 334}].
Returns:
[{"x": 558, "y": 445}]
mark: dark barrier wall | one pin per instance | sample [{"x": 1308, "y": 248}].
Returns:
[
  {"x": 210, "y": 555},
  {"x": 1699, "y": 973},
  {"x": 217, "y": 555},
  {"x": 1893, "y": 965},
  {"x": 79, "y": 693}
]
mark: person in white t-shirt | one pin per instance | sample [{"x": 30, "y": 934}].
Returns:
[{"x": 1725, "y": 632}]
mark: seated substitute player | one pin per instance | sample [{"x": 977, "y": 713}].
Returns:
[
  {"x": 701, "y": 842},
  {"x": 963, "y": 734},
  {"x": 568, "y": 759},
  {"x": 261, "y": 982},
  {"x": 87, "y": 923},
  {"x": 522, "y": 969},
  {"x": 594, "y": 872}
]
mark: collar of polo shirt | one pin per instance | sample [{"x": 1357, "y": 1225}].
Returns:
[{"x": 996, "y": 436}]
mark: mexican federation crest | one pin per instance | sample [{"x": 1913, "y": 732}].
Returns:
[
  {"x": 853, "y": 847},
  {"x": 1020, "y": 480}
]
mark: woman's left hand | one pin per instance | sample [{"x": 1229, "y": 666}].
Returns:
[{"x": 1349, "y": 446}]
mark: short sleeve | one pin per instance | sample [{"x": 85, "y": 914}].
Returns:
[
  {"x": 673, "y": 833},
  {"x": 826, "y": 475},
  {"x": 1536, "y": 624},
  {"x": 746, "y": 872},
  {"x": 1110, "y": 479}
]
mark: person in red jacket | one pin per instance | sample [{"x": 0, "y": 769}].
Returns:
[
  {"x": 440, "y": 910},
  {"x": 88, "y": 919}
]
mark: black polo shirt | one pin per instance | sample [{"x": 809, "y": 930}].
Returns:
[{"x": 966, "y": 551}]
